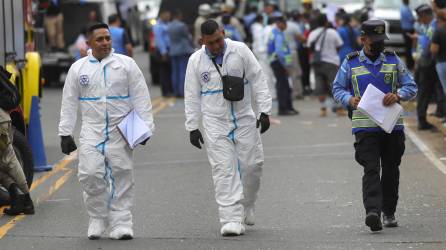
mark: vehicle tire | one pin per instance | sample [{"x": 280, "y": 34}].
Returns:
[{"x": 25, "y": 158}]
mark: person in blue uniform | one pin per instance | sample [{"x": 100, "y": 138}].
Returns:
[
  {"x": 280, "y": 56},
  {"x": 376, "y": 150}
]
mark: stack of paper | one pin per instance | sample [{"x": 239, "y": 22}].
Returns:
[
  {"x": 371, "y": 104},
  {"x": 133, "y": 129}
]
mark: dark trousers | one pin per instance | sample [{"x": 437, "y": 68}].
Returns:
[
  {"x": 179, "y": 64},
  {"x": 377, "y": 151},
  {"x": 282, "y": 86},
  {"x": 428, "y": 87},
  {"x": 304, "y": 62},
  {"x": 165, "y": 78},
  {"x": 408, "y": 48}
]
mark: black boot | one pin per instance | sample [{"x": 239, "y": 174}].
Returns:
[
  {"x": 19, "y": 203},
  {"x": 28, "y": 205},
  {"x": 16, "y": 201}
]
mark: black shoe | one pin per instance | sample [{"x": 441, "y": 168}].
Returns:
[
  {"x": 294, "y": 111},
  {"x": 126, "y": 237},
  {"x": 28, "y": 205},
  {"x": 288, "y": 112},
  {"x": 424, "y": 125},
  {"x": 389, "y": 221},
  {"x": 17, "y": 201},
  {"x": 373, "y": 221}
]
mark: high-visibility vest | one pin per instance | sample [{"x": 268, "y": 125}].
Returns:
[
  {"x": 271, "y": 47},
  {"x": 385, "y": 80}
]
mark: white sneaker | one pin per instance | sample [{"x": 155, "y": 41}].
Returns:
[
  {"x": 232, "y": 229},
  {"x": 249, "y": 217},
  {"x": 121, "y": 233},
  {"x": 96, "y": 228}
]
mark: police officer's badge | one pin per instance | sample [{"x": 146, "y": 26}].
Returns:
[
  {"x": 379, "y": 29},
  {"x": 205, "y": 76},
  {"x": 388, "y": 78},
  {"x": 84, "y": 80}
]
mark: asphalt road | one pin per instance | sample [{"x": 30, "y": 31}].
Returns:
[{"x": 310, "y": 196}]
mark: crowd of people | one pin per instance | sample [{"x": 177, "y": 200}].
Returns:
[
  {"x": 287, "y": 45},
  {"x": 426, "y": 55}
]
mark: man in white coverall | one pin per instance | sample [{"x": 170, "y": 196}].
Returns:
[
  {"x": 107, "y": 86},
  {"x": 234, "y": 146}
]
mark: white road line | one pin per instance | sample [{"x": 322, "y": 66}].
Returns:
[{"x": 425, "y": 150}]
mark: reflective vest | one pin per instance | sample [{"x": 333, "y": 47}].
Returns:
[
  {"x": 385, "y": 80},
  {"x": 117, "y": 36},
  {"x": 271, "y": 47}
]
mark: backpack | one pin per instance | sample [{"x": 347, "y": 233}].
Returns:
[{"x": 9, "y": 95}]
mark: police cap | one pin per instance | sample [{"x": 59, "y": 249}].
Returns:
[
  {"x": 375, "y": 29},
  {"x": 423, "y": 8}
]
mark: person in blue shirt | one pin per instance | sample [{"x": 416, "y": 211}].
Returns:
[
  {"x": 280, "y": 57},
  {"x": 377, "y": 151},
  {"x": 407, "y": 25},
  {"x": 426, "y": 76},
  {"x": 120, "y": 39},
  {"x": 181, "y": 47},
  {"x": 348, "y": 34},
  {"x": 230, "y": 31},
  {"x": 162, "y": 44}
]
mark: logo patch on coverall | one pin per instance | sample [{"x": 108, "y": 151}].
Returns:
[
  {"x": 205, "y": 76},
  {"x": 388, "y": 78},
  {"x": 84, "y": 80}
]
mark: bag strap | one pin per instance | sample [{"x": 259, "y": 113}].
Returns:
[
  {"x": 323, "y": 40},
  {"x": 317, "y": 38},
  {"x": 216, "y": 66}
]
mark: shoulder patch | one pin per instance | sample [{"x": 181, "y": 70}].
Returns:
[{"x": 352, "y": 55}]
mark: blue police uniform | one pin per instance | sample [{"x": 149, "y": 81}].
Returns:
[
  {"x": 280, "y": 57},
  {"x": 162, "y": 43},
  {"x": 232, "y": 33},
  {"x": 388, "y": 73},
  {"x": 426, "y": 75},
  {"x": 118, "y": 40},
  {"x": 377, "y": 151}
]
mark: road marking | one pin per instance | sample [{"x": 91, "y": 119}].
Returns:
[
  {"x": 61, "y": 165},
  {"x": 166, "y": 103},
  {"x": 58, "y": 184},
  {"x": 156, "y": 101},
  {"x": 425, "y": 150}
]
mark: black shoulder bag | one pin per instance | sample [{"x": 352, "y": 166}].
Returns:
[{"x": 233, "y": 86}]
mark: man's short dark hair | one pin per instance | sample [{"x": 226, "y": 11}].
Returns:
[
  {"x": 209, "y": 27},
  {"x": 113, "y": 18},
  {"x": 96, "y": 26}
]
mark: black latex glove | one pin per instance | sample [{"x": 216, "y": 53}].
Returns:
[
  {"x": 264, "y": 122},
  {"x": 196, "y": 138},
  {"x": 67, "y": 144},
  {"x": 144, "y": 142}
]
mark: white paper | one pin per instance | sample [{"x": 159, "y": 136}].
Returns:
[
  {"x": 133, "y": 129},
  {"x": 371, "y": 104}
]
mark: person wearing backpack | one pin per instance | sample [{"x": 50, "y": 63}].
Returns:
[
  {"x": 324, "y": 43},
  {"x": 11, "y": 172}
]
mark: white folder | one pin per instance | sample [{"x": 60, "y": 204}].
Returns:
[
  {"x": 133, "y": 129},
  {"x": 371, "y": 104}
]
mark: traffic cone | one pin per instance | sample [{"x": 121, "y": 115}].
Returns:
[{"x": 35, "y": 138}]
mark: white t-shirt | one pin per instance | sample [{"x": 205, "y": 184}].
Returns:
[{"x": 329, "y": 50}]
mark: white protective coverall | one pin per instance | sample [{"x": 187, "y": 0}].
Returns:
[
  {"x": 233, "y": 143},
  {"x": 106, "y": 91}
]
